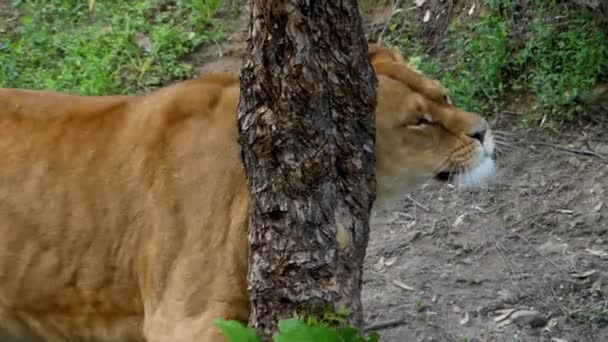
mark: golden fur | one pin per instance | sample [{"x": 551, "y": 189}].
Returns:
[{"x": 124, "y": 217}]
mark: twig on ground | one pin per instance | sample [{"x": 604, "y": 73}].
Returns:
[
  {"x": 385, "y": 324},
  {"x": 524, "y": 239},
  {"x": 425, "y": 208},
  {"x": 588, "y": 145}
]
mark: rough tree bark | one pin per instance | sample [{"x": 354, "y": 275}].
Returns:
[{"x": 307, "y": 135}]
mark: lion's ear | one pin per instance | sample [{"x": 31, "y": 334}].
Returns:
[{"x": 379, "y": 53}]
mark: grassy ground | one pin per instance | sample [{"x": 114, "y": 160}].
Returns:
[
  {"x": 102, "y": 47},
  {"x": 553, "y": 55}
]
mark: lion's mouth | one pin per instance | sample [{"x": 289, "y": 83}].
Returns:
[{"x": 445, "y": 176}]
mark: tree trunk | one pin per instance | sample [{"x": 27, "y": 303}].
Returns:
[{"x": 306, "y": 130}]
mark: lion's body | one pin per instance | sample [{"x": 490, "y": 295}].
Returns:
[
  {"x": 109, "y": 207},
  {"x": 126, "y": 217}
]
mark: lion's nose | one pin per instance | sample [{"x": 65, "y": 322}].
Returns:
[{"x": 479, "y": 134}]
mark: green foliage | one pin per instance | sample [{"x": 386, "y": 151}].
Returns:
[
  {"x": 482, "y": 54},
  {"x": 104, "y": 47},
  {"x": 294, "y": 329},
  {"x": 564, "y": 61},
  {"x": 508, "y": 50},
  {"x": 330, "y": 317},
  {"x": 331, "y": 327}
]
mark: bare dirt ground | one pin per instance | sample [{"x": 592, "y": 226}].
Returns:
[
  {"x": 449, "y": 263},
  {"x": 524, "y": 260}
]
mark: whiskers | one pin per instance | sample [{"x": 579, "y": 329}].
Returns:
[
  {"x": 461, "y": 170},
  {"x": 503, "y": 142}
]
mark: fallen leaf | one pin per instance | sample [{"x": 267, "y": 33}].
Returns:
[
  {"x": 459, "y": 220},
  {"x": 504, "y": 314},
  {"x": 427, "y": 16},
  {"x": 584, "y": 274},
  {"x": 419, "y": 2},
  {"x": 464, "y": 319},
  {"x": 378, "y": 266},
  {"x": 552, "y": 324},
  {"x": 402, "y": 285},
  {"x": 472, "y": 10},
  {"x": 390, "y": 261},
  {"x": 598, "y": 207},
  {"x": 565, "y": 211}
]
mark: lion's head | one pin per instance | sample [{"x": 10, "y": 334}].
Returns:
[{"x": 421, "y": 135}]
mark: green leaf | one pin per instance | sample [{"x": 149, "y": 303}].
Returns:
[
  {"x": 287, "y": 325},
  {"x": 237, "y": 331},
  {"x": 349, "y": 334},
  {"x": 374, "y": 337},
  {"x": 307, "y": 333}
]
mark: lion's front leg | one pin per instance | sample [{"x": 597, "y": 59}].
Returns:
[
  {"x": 182, "y": 299},
  {"x": 161, "y": 327},
  {"x": 192, "y": 268}
]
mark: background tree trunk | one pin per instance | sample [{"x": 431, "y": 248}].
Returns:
[{"x": 307, "y": 136}]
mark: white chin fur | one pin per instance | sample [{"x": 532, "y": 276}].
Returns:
[
  {"x": 477, "y": 177},
  {"x": 485, "y": 171}
]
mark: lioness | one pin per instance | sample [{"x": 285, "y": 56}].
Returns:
[{"x": 125, "y": 218}]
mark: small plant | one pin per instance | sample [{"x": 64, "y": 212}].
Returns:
[
  {"x": 599, "y": 316},
  {"x": 420, "y": 306},
  {"x": 330, "y": 327}
]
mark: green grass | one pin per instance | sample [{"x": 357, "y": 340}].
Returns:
[
  {"x": 105, "y": 47},
  {"x": 557, "y": 61},
  {"x": 419, "y": 305}
]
